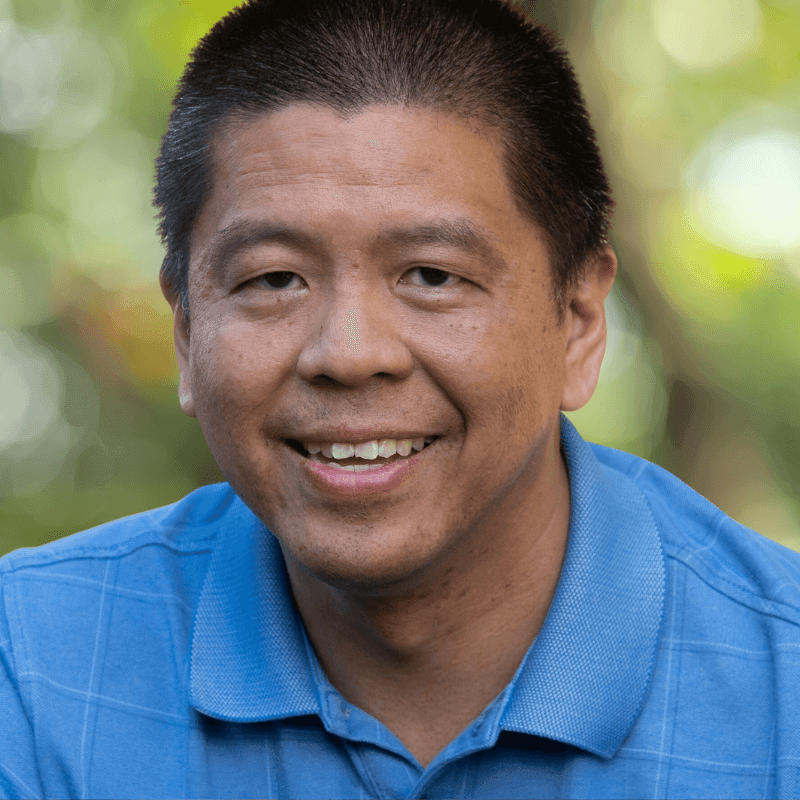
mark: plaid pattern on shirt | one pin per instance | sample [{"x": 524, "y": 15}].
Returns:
[{"x": 161, "y": 655}]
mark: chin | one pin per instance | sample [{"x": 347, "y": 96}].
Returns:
[{"x": 364, "y": 564}]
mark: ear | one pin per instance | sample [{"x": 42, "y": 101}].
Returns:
[
  {"x": 181, "y": 335},
  {"x": 584, "y": 329}
]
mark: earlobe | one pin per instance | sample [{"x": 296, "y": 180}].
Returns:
[
  {"x": 585, "y": 330},
  {"x": 181, "y": 340},
  {"x": 185, "y": 396},
  {"x": 184, "y": 360}
]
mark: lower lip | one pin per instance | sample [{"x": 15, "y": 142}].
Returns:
[{"x": 346, "y": 483}]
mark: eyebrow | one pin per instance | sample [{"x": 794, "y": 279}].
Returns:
[
  {"x": 458, "y": 233},
  {"x": 246, "y": 233}
]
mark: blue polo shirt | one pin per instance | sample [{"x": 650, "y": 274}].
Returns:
[{"x": 162, "y": 656}]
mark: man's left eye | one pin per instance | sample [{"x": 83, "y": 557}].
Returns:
[{"x": 432, "y": 277}]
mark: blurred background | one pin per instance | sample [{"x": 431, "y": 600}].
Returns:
[{"x": 697, "y": 108}]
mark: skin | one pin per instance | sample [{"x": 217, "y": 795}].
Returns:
[{"x": 420, "y": 602}]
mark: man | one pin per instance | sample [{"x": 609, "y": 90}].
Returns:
[{"x": 386, "y": 256}]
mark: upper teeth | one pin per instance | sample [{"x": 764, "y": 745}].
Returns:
[{"x": 367, "y": 450}]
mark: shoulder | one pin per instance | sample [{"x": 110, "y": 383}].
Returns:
[
  {"x": 157, "y": 559},
  {"x": 136, "y": 579},
  {"x": 103, "y": 614},
  {"x": 730, "y": 558},
  {"x": 187, "y": 525}
]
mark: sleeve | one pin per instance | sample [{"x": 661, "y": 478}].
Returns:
[{"x": 19, "y": 774}]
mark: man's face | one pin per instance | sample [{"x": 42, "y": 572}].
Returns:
[{"x": 335, "y": 297}]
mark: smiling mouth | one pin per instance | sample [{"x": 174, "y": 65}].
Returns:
[{"x": 355, "y": 461}]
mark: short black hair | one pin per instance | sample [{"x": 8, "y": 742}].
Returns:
[{"x": 481, "y": 60}]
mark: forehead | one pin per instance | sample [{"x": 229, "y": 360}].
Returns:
[
  {"x": 381, "y": 166},
  {"x": 379, "y": 145}
]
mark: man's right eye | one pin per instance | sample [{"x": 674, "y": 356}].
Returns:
[{"x": 275, "y": 280}]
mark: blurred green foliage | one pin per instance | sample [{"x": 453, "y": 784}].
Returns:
[{"x": 697, "y": 108}]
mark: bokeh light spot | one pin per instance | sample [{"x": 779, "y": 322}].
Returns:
[
  {"x": 35, "y": 439},
  {"x": 626, "y": 44},
  {"x": 707, "y": 35},
  {"x": 55, "y": 88},
  {"x": 744, "y": 187}
]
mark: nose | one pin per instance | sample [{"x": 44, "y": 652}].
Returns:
[{"x": 356, "y": 339}]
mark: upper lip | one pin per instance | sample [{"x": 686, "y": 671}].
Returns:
[{"x": 353, "y": 436}]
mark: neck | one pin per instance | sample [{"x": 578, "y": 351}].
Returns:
[{"x": 427, "y": 658}]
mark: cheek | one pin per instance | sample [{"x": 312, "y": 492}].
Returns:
[
  {"x": 235, "y": 375},
  {"x": 517, "y": 402},
  {"x": 235, "y": 383},
  {"x": 501, "y": 371}
]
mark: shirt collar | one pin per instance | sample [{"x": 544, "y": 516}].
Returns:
[
  {"x": 583, "y": 681},
  {"x": 586, "y": 676},
  {"x": 248, "y": 658}
]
